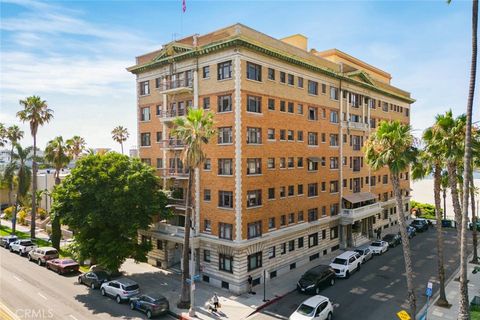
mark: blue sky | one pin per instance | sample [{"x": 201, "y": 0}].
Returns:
[{"x": 74, "y": 53}]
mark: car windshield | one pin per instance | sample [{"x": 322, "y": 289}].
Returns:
[
  {"x": 101, "y": 274},
  {"x": 305, "y": 310},
  {"x": 388, "y": 237},
  {"x": 26, "y": 243},
  {"x": 51, "y": 252},
  {"x": 131, "y": 287},
  {"x": 376, "y": 244},
  {"x": 309, "y": 276},
  {"x": 67, "y": 261},
  {"x": 340, "y": 261}
]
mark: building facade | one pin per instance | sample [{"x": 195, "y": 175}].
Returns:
[{"x": 285, "y": 180}]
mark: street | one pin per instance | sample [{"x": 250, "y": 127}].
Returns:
[
  {"x": 33, "y": 292},
  {"x": 378, "y": 290}
]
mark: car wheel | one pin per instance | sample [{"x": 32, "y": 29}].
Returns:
[
  {"x": 11, "y": 250},
  {"x": 347, "y": 275},
  {"x": 46, "y": 266},
  {"x": 358, "y": 267},
  {"x": 92, "y": 286},
  {"x": 317, "y": 290},
  {"x": 118, "y": 299},
  {"x": 29, "y": 258},
  {"x": 132, "y": 306},
  {"x": 149, "y": 314},
  {"x": 332, "y": 281},
  {"x": 104, "y": 293},
  {"x": 330, "y": 316},
  {"x": 39, "y": 262},
  {"x": 80, "y": 280}
]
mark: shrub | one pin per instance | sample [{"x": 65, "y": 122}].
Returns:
[
  {"x": 8, "y": 213},
  {"x": 22, "y": 214},
  {"x": 42, "y": 213},
  {"x": 423, "y": 209}
]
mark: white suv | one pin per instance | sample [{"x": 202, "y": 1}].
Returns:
[
  {"x": 346, "y": 263},
  {"x": 22, "y": 246},
  {"x": 121, "y": 289},
  {"x": 314, "y": 308}
]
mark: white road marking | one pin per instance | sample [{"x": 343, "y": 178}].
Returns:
[
  {"x": 41, "y": 295},
  {"x": 71, "y": 316},
  {"x": 17, "y": 278}
]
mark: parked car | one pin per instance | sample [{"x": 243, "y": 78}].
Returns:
[
  {"x": 419, "y": 224},
  {"x": 451, "y": 224},
  {"x": 93, "y": 279},
  {"x": 7, "y": 240},
  {"x": 365, "y": 253},
  {"x": 470, "y": 225},
  {"x": 378, "y": 247},
  {"x": 121, "y": 289},
  {"x": 411, "y": 232},
  {"x": 346, "y": 263},
  {"x": 316, "y": 278},
  {"x": 151, "y": 304},
  {"x": 62, "y": 266},
  {"x": 22, "y": 247},
  {"x": 393, "y": 240},
  {"x": 317, "y": 307},
  {"x": 42, "y": 255}
]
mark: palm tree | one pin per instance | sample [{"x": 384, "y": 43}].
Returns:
[
  {"x": 195, "y": 130},
  {"x": 13, "y": 134},
  {"x": 56, "y": 153},
  {"x": 75, "y": 146},
  {"x": 392, "y": 146},
  {"x": 3, "y": 135},
  {"x": 36, "y": 113},
  {"x": 23, "y": 174},
  {"x": 120, "y": 135}
]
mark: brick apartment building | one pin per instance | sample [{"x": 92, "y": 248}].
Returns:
[{"x": 285, "y": 181}]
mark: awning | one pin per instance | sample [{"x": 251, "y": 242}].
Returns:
[
  {"x": 314, "y": 159},
  {"x": 359, "y": 197}
]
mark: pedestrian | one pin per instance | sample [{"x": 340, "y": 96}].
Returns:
[
  {"x": 379, "y": 233},
  {"x": 215, "y": 302},
  {"x": 250, "y": 280}
]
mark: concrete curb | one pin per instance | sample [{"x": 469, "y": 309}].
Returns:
[{"x": 266, "y": 304}]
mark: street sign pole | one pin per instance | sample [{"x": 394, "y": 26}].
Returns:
[{"x": 428, "y": 293}]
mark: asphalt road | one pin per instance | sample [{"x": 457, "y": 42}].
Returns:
[
  {"x": 378, "y": 290},
  {"x": 33, "y": 292}
]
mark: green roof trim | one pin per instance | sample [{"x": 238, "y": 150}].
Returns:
[{"x": 162, "y": 60}]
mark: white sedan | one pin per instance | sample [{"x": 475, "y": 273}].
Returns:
[
  {"x": 315, "y": 308},
  {"x": 378, "y": 247}
]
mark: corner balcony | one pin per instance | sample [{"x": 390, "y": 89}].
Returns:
[
  {"x": 176, "y": 173},
  {"x": 178, "y": 204},
  {"x": 172, "y": 144},
  {"x": 171, "y": 114},
  {"x": 176, "y": 86},
  {"x": 170, "y": 230},
  {"x": 349, "y": 216},
  {"x": 355, "y": 125}
]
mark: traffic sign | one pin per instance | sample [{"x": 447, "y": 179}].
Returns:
[
  {"x": 428, "y": 292},
  {"x": 403, "y": 315}
]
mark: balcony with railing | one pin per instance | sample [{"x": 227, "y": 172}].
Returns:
[
  {"x": 179, "y": 204},
  {"x": 176, "y": 86},
  {"x": 349, "y": 216},
  {"x": 177, "y": 173},
  {"x": 355, "y": 125},
  {"x": 170, "y": 114},
  {"x": 173, "y": 144}
]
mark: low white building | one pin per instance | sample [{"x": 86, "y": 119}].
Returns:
[{"x": 46, "y": 181}]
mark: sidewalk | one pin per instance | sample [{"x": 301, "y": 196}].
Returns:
[{"x": 453, "y": 295}]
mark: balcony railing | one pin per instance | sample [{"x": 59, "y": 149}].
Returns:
[
  {"x": 351, "y": 215},
  {"x": 176, "y": 231},
  {"x": 172, "y": 144},
  {"x": 171, "y": 113},
  {"x": 177, "y": 84},
  {"x": 176, "y": 173},
  {"x": 355, "y": 125}
]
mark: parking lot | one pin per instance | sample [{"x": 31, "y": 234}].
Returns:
[{"x": 378, "y": 290}]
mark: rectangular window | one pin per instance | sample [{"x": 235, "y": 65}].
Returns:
[
  {"x": 323, "y": 161},
  {"x": 255, "y": 229},
  {"x": 145, "y": 114},
  {"x": 282, "y": 77},
  {"x": 333, "y": 116},
  {"x": 282, "y": 192},
  {"x": 206, "y": 255},
  {"x": 145, "y": 139},
  {"x": 300, "y": 108},
  {"x": 225, "y": 135},
  {"x": 159, "y": 163},
  {"x": 290, "y": 163},
  {"x": 225, "y": 103},
  {"x": 207, "y": 195},
  {"x": 282, "y": 105},
  {"x": 254, "y": 104},
  {"x": 254, "y": 198},
  {"x": 385, "y": 179},
  {"x": 206, "y": 103},
  {"x": 144, "y": 88},
  {"x": 299, "y": 135},
  {"x": 255, "y": 261},
  {"x": 300, "y": 242},
  {"x": 271, "y": 193},
  {"x": 313, "y": 240},
  {"x": 300, "y": 189},
  {"x": 324, "y": 186},
  {"x": 224, "y": 70},
  {"x": 271, "y": 134},
  {"x": 207, "y": 164},
  {"x": 271, "y": 253},
  {"x": 206, "y": 72},
  {"x": 282, "y": 134},
  {"x": 291, "y": 245},
  {"x": 207, "y": 225},
  {"x": 299, "y": 162},
  {"x": 158, "y": 110},
  {"x": 333, "y": 162},
  {"x": 254, "y": 135},
  {"x": 225, "y": 230},
  {"x": 334, "y": 140},
  {"x": 290, "y": 135},
  {"x": 313, "y": 139},
  {"x": 333, "y": 186},
  {"x": 312, "y": 87},
  {"x": 225, "y": 263},
  {"x": 300, "y": 82},
  {"x": 300, "y": 217},
  {"x": 271, "y": 74},
  {"x": 291, "y": 191},
  {"x": 159, "y": 136},
  {"x": 271, "y": 163},
  {"x": 225, "y": 199},
  {"x": 284, "y": 248},
  {"x": 334, "y": 209},
  {"x": 324, "y": 138},
  {"x": 324, "y": 88},
  {"x": 254, "y": 71},
  {"x": 333, "y": 93},
  {"x": 271, "y": 104},
  {"x": 312, "y": 113},
  {"x": 312, "y": 165},
  {"x": 312, "y": 214},
  {"x": 334, "y": 233},
  {"x": 225, "y": 167},
  {"x": 291, "y": 107},
  {"x": 291, "y": 79}
]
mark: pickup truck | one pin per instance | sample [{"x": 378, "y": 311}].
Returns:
[{"x": 22, "y": 247}]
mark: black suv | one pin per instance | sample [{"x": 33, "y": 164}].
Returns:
[
  {"x": 420, "y": 225},
  {"x": 315, "y": 278},
  {"x": 392, "y": 239}
]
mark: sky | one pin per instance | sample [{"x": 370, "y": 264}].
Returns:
[{"x": 74, "y": 54}]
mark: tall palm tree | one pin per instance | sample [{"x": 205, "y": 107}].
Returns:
[
  {"x": 464, "y": 312},
  {"x": 36, "y": 113},
  {"x": 75, "y": 146},
  {"x": 195, "y": 130},
  {"x": 3, "y": 135},
  {"x": 23, "y": 173},
  {"x": 13, "y": 134},
  {"x": 56, "y": 154},
  {"x": 391, "y": 146},
  {"x": 120, "y": 135}
]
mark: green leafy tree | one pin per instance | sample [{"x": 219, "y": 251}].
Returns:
[
  {"x": 120, "y": 135},
  {"x": 75, "y": 146},
  {"x": 19, "y": 169},
  {"x": 3, "y": 135},
  {"x": 195, "y": 130},
  {"x": 105, "y": 200},
  {"x": 391, "y": 146},
  {"x": 14, "y": 134},
  {"x": 36, "y": 113},
  {"x": 56, "y": 154}
]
